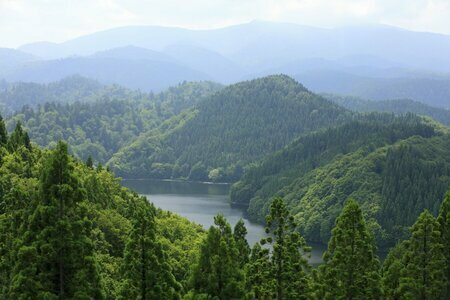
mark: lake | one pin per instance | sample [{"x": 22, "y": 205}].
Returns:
[{"x": 200, "y": 202}]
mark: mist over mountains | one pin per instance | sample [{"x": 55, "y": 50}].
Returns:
[{"x": 375, "y": 62}]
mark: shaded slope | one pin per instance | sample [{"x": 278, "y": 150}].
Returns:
[
  {"x": 394, "y": 167},
  {"x": 397, "y": 106},
  {"x": 236, "y": 126}
]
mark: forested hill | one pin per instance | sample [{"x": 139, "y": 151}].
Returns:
[
  {"x": 68, "y": 230},
  {"x": 393, "y": 166},
  {"x": 397, "y": 106},
  {"x": 232, "y": 128},
  {"x": 13, "y": 96},
  {"x": 96, "y": 120}
]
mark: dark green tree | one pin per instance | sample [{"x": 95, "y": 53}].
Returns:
[
  {"x": 217, "y": 273},
  {"x": 260, "y": 280},
  {"x": 3, "y": 133},
  {"x": 19, "y": 138},
  {"x": 392, "y": 272},
  {"x": 56, "y": 254},
  {"x": 288, "y": 259},
  {"x": 423, "y": 275},
  {"x": 350, "y": 269},
  {"x": 444, "y": 223},
  {"x": 147, "y": 275},
  {"x": 239, "y": 234},
  {"x": 89, "y": 162}
]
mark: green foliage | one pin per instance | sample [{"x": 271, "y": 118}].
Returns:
[
  {"x": 239, "y": 234},
  {"x": 218, "y": 272},
  {"x": 350, "y": 269},
  {"x": 97, "y": 120},
  {"x": 423, "y": 276},
  {"x": 56, "y": 243},
  {"x": 392, "y": 271},
  {"x": 394, "y": 166},
  {"x": 234, "y": 127},
  {"x": 147, "y": 275},
  {"x": 444, "y": 223},
  {"x": 281, "y": 272},
  {"x": 64, "y": 228},
  {"x": 397, "y": 106}
]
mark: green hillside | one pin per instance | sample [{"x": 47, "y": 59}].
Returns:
[
  {"x": 224, "y": 133},
  {"x": 394, "y": 167},
  {"x": 397, "y": 106},
  {"x": 101, "y": 120}
]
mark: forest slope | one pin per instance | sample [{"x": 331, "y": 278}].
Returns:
[
  {"x": 395, "y": 168},
  {"x": 222, "y": 134}
]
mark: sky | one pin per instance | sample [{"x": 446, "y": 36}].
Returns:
[{"x": 26, "y": 21}]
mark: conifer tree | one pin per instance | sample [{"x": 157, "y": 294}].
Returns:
[
  {"x": 3, "y": 133},
  {"x": 17, "y": 137},
  {"x": 147, "y": 275},
  {"x": 89, "y": 162},
  {"x": 239, "y": 234},
  {"x": 392, "y": 271},
  {"x": 217, "y": 273},
  {"x": 260, "y": 281},
  {"x": 350, "y": 269},
  {"x": 444, "y": 223},
  {"x": 56, "y": 256},
  {"x": 288, "y": 261},
  {"x": 423, "y": 275}
]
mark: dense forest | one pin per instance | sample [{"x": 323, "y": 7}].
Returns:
[
  {"x": 96, "y": 121},
  {"x": 70, "y": 231},
  {"x": 397, "y": 106},
  {"x": 393, "y": 166},
  {"x": 232, "y": 128}
]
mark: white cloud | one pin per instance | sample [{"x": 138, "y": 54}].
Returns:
[{"x": 23, "y": 21}]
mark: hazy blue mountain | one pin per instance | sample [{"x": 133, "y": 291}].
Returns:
[
  {"x": 396, "y": 106},
  {"x": 12, "y": 58},
  {"x": 207, "y": 61},
  {"x": 265, "y": 45},
  {"x": 433, "y": 90},
  {"x": 112, "y": 67},
  {"x": 134, "y": 53}
]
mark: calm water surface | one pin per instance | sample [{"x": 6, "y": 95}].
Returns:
[{"x": 200, "y": 202}]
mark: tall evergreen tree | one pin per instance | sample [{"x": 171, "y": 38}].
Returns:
[
  {"x": 89, "y": 162},
  {"x": 56, "y": 256},
  {"x": 3, "y": 133},
  {"x": 444, "y": 223},
  {"x": 260, "y": 279},
  {"x": 288, "y": 261},
  {"x": 146, "y": 271},
  {"x": 218, "y": 273},
  {"x": 423, "y": 276},
  {"x": 350, "y": 269},
  {"x": 239, "y": 234},
  {"x": 392, "y": 272}
]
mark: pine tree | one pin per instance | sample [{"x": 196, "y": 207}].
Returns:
[
  {"x": 444, "y": 223},
  {"x": 89, "y": 162},
  {"x": 239, "y": 234},
  {"x": 260, "y": 281},
  {"x": 146, "y": 271},
  {"x": 423, "y": 276},
  {"x": 56, "y": 255},
  {"x": 288, "y": 261},
  {"x": 350, "y": 269},
  {"x": 392, "y": 271},
  {"x": 217, "y": 273},
  {"x": 17, "y": 138},
  {"x": 3, "y": 133}
]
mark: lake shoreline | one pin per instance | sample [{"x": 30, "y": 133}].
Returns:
[{"x": 177, "y": 180}]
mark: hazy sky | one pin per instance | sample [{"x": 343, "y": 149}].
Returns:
[{"x": 24, "y": 21}]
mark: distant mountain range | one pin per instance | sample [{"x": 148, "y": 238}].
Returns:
[{"x": 370, "y": 61}]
